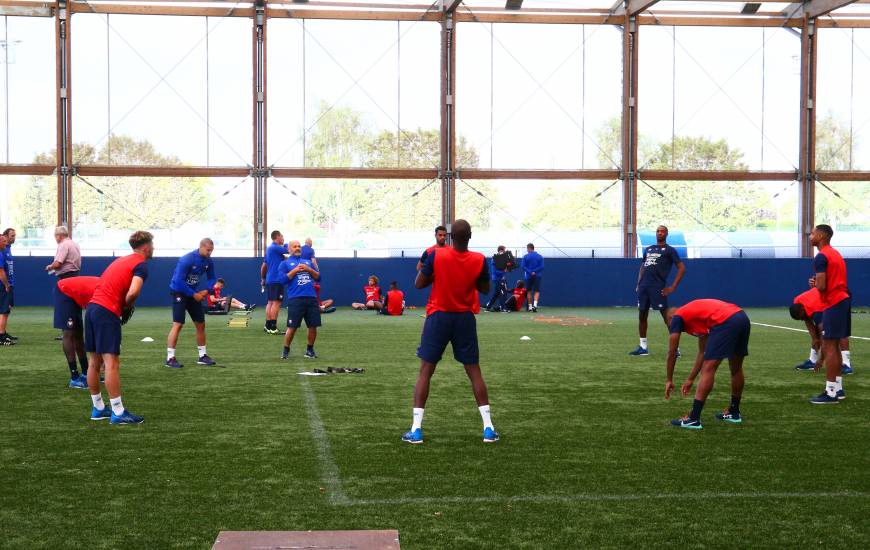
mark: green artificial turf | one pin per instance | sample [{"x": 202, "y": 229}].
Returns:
[{"x": 587, "y": 456}]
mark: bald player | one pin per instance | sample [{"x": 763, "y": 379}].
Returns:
[{"x": 191, "y": 268}]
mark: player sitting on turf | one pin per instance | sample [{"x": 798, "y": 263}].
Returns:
[
  {"x": 722, "y": 330},
  {"x": 456, "y": 276},
  {"x": 394, "y": 303},
  {"x": 191, "y": 268},
  {"x": 300, "y": 275},
  {"x": 807, "y": 307},
  {"x": 373, "y": 296},
  {"x": 218, "y": 303},
  {"x": 111, "y": 306},
  {"x": 71, "y": 296},
  {"x": 326, "y": 306},
  {"x": 516, "y": 299}
]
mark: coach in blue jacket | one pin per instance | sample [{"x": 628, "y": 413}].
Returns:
[
  {"x": 192, "y": 268},
  {"x": 533, "y": 267}
]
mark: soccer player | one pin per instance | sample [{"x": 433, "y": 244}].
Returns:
[
  {"x": 831, "y": 281},
  {"x": 499, "y": 284},
  {"x": 808, "y": 307},
  {"x": 394, "y": 304},
  {"x": 326, "y": 306},
  {"x": 722, "y": 330},
  {"x": 300, "y": 275},
  {"x": 516, "y": 299},
  {"x": 308, "y": 253},
  {"x": 373, "y": 299},
  {"x": 7, "y": 300},
  {"x": 216, "y": 302},
  {"x": 70, "y": 298},
  {"x": 533, "y": 266},
  {"x": 652, "y": 290},
  {"x": 440, "y": 242},
  {"x": 114, "y": 297},
  {"x": 456, "y": 276},
  {"x": 272, "y": 282},
  {"x": 189, "y": 270}
]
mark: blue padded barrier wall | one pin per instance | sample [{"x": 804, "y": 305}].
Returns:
[{"x": 566, "y": 282}]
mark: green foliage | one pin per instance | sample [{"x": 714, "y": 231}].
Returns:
[{"x": 850, "y": 209}]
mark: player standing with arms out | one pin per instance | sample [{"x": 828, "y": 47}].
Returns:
[
  {"x": 70, "y": 298},
  {"x": 652, "y": 290},
  {"x": 189, "y": 270},
  {"x": 7, "y": 300},
  {"x": 114, "y": 297},
  {"x": 440, "y": 242},
  {"x": 722, "y": 330},
  {"x": 302, "y": 304},
  {"x": 831, "y": 281},
  {"x": 272, "y": 282},
  {"x": 808, "y": 307},
  {"x": 456, "y": 276},
  {"x": 533, "y": 266}
]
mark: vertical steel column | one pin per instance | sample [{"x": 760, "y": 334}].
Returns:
[
  {"x": 259, "y": 170},
  {"x": 64, "y": 167},
  {"x": 447, "y": 171},
  {"x": 628, "y": 174},
  {"x": 807, "y": 171}
]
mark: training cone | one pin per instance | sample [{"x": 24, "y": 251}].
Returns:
[
  {"x": 147, "y": 339},
  {"x": 525, "y": 338}
]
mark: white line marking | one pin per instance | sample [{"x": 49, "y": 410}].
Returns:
[
  {"x": 329, "y": 469},
  {"x": 801, "y": 330},
  {"x": 546, "y": 499}
]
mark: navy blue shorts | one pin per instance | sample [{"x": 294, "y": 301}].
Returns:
[
  {"x": 729, "y": 339},
  {"x": 67, "y": 313},
  {"x": 7, "y": 300},
  {"x": 533, "y": 284},
  {"x": 275, "y": 292},
  {"x": 651, "y": 297},
  {"x": 303, "y": 308},
  {"x": 458, "y": 329},
  {"x": 182, "y": 304},
  {"x": 817, "y": 318},
  {"x": 837, "y": 320},
  {"x": 102, "y": 330}
]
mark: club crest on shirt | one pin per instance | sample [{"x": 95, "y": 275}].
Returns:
[
  {"x": 178, "y": 298},
  {"x": 70, "y": 323}
]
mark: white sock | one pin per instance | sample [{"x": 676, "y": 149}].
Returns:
[
  {"x": 170, "y": 353},
  {"x": 201, "y": 350},
  {"x": 814, "y": 355},
  {"x": 846, "y": 358},
  {"x": 484, "y": 414},
  {"x": 117, "y": 406},
  {"x": 416, "y": 419},
  {"x": 831, "y": 389},
  {"x": 536, "y": 304},
  {"x": 839, "y": 383},
  {"x": 643, "y": 343},
  {"x": 98, "y": 401}
]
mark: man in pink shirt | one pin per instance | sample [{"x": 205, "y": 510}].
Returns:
[{"x": 68, "y": 258}]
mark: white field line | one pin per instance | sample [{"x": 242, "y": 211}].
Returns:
[
  {"x": 329, "y": 469},
  {"x": 801, "y": 330}
]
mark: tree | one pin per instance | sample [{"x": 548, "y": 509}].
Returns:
[{"x": 834, "y": 144}]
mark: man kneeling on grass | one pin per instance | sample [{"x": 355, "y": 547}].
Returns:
[{"x": 722, "y": 330}]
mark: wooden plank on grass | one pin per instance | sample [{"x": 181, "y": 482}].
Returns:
[{"x": 356, "y": 540}]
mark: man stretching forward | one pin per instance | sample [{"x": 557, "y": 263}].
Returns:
[
  {"x": 830, "y": 280},
  {"x": 456, "y": 276},
  {"x": 191, "y": 268},
  {"x": 723, "y": 331},
  {"x": 114, "y": 296},
  {"x": 808, "y": 307}
]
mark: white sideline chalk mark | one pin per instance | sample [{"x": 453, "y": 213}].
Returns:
[
  {"x": 548, "y": 499},
  {"x": 329, "y": 469},
  {"x": 801, "y": 330}
]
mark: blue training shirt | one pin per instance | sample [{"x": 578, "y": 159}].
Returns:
[
  {"x": 189, "y": 271},
  {"x": 274, "y": 257},
  {"x": 307, "y": 252},
  {"x": 657, "y": 263},
  {"x": 532, "y": 262},
  {"x": 5, "y": 264},
  {"x": 302, "y": 284},
  {"x": 495, "y": 274},
  {"x": 9, "y": 265}
]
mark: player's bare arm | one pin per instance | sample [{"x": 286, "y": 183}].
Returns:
[
  {"x": 681, "y": 270},
  {"x": 134, "y": 291},
  {"x": 4, "y": 279},
  {"x": 673, "y": 344},
  {"x": 639, "y": 277},
  {"x": 422, "y": 281},
  {"x": 819, "y": 281},
  {"x": 696, "y": 367}
]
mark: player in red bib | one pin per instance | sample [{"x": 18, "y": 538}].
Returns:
[
  {"x": 70, "y": 298},
  {"x": 395, "y": 301},
  {"x": 808, "y": 307},
  {"x": 456, "y": 276},
  {"x": 831, "y": 282},
  {"x": 373, "y": 299},
  {"x": 517, "y": 297},
  {"x": 722, "y": 330},
  {"x": 114, "y": 298},
  {"x": 440, "y": 242}
]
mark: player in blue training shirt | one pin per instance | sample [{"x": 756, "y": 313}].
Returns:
[
  {"x": 191, "y": 269},
  {"x": 308, "y": 252},
  {"x": 7, "y": 282},
  {"x": 652, "y": 290},
  {"x": 272, "y": 282},
  {"x": 300, "y": 275},
  {"x": 533, "y": 267}
]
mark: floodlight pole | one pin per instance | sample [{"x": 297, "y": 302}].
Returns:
[
  {"x": 628, "y": 174},
  {"x": 64, "y": 169},
  {"x": 807, "y": 172},
  {"x": 447, "y": 169},
  {"x": 259, "y": 167}
]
